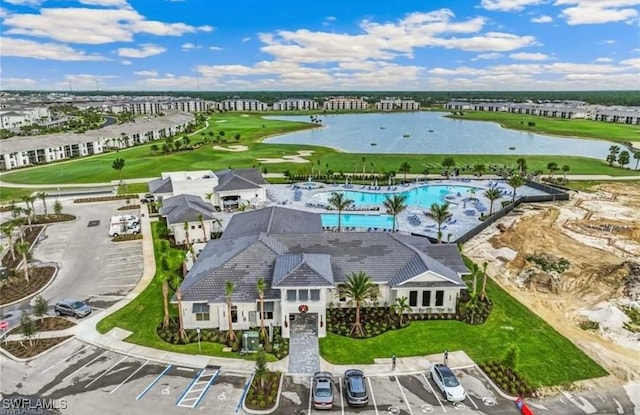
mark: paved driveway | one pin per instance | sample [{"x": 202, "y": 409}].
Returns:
[{"x": 91, "y": 267}]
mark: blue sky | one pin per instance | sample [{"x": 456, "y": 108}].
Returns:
[{"x": 323, "y": 45}]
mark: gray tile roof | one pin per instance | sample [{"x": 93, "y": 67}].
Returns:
[
  {"x": 274, "y": 219},
  {"x": 181, "y": 208},
  {"x": 302, "y": 270},
  {"x": 446, "y": 254},
  {"x": 240, "y": 179},
  {"x": 157, "y": 186}
]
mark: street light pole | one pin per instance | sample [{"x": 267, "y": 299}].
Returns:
[{"x": 198, "y": 331}]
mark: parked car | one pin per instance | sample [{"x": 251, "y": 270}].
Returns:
[
  {"x": 322, "y": 390},
  {"x": 448, "y": 383},
  {"x": 355, "y": 389},
  {"x": 73, "y": 308}
]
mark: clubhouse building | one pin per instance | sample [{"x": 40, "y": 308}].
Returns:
[{"x": 304, "y": 268}]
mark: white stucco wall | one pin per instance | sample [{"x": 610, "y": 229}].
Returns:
[{"x": 196, "y": 233}]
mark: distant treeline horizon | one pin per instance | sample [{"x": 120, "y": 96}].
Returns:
[{"x": 426, "y": 98}]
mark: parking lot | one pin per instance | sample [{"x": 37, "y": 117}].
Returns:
[
  {"x": 93, "y": 380},
  {"x": 404, "y": 394},
  {"x": 91, "y": 267}
]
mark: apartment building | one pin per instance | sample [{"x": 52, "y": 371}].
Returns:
[
  {"x": 295, "y": 104},
  {"x": 397, "y": 104},
  {"x": 237, "y": 104},
  {"x": 345, "y": 103}
]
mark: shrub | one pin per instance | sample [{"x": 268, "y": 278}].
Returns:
[{"x": 589, "y": 325}]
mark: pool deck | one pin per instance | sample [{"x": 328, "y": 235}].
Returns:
[{"x": 465, "y": 210}]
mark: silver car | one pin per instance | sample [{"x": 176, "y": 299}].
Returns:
[
  {"x": 322, "y": 390},
  {"x": 448, "y": 383},
  {"x": 74, "y": 308}
]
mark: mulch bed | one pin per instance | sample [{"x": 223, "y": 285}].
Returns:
[
  {"x": 263, "y": 400},
  {"x": 47, "y": 324},
  {"x": 30, "y": 236},
  {"x": 104, "y": 198},
  {"x": 17, "y": 288},
  {"x": 125, "y": 238},
  {"x": 40, "y": 345},
  {"x": 129, "y": 207}
]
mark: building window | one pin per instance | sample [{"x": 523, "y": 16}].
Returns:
[
  {"x": 268, "y": 310},
  {"x": 234, "y": 313},
  {"x": 201, "y": 310},
  {"x": 413, "y": 298},
  {"x": 314, "y": 295},
  {"x": 291, "y": 295},
  {"x": 375, "y": 292},
  {"x": 303, "y": 295},
  {"x": 426, "y": 298},
  {"x": 439, "y": 298},
  {"x": 342, "y": 295}
]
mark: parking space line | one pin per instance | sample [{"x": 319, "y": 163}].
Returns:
[
  {"x": 149, "y": 386},
  {"x": 116, "y": 286},
  {"x": 129, "y": 377},
  {"x": 204, "y": 390},
  {"x": 404, "y": 396},
  {"x": 434, "y": 392},
  {"x": 105, "y": 372},
  {"x": 85, "y": 365},
  {"x": 373, "y": 397},
  {"x": 66, "y": 358},
  {"x": 310, "y": 393},
  {"x": 203, "y": 386},
  {"x": 472, "y": 401},
  {"x": 341, "y": 396},
  {"x": 121, "y": 278},
  {"x": 244, "y": 393},
  {"x": 186, "y": 390}
]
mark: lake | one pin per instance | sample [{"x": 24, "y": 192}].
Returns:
[{"x": 432, "y": 133}]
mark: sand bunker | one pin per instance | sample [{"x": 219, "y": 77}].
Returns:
[
  {"x": 298, "y": 158},
  {"x": 232, "y": 148},
  {"x": 221, "y": 121}
]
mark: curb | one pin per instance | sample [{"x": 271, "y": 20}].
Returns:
[
  {"x": 28, "y": 359},
  {"x": 276, "y": 404},
  {"x": 30, "y": 296}
]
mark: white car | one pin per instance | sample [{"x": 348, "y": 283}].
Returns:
[{"x": 448, "y": 383}]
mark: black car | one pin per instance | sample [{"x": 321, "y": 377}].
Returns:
[
  {"x": 72, "y": 308},
  {"x": 355, "y": 389}
]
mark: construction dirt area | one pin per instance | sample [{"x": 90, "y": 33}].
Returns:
[{"x": 577, "y": 265}]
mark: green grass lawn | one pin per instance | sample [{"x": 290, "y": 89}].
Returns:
[
  {"x": 141, "y": 163},
  {"x": 142, "y": 315},
  {"x": 558, "y": 126},
  {"x": 546, "y": 357}
]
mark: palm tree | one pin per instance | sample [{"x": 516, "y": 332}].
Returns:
[
  {"x": 636, "y": 157},
  {"x": 23, "y": 249},
  {"x": 448, "y": 163},
  {"x": 340, "y": 202},
  {"x": 181, "y": 332},
  {"x": 229, "y": 288},
  {"x": 164, "y": 278},
  {"x": 261, "y": 287},
  {"x": 43, "y": 197},
  {"x": 30, "y": 202},
  {"x": 565, "y": 170},
  {"x": 118, "y": 164},
  {"x": 405, "y": 167},
  {"x": 364, "y": 159},
  {"x": 552, "y": 167},
  {"x": 7, "y": 231},
  {"x": 492, "y": 194},
  {"x": 439, "y": 213},
  {"x": 515, "y": 182},
  {"x": 614, "y": 150},
  {"x": 358, "y": 288},
  {"x": 186, "y": 233},
  {"x": 522, "y": 166},
  {"x": 395, "y": 205},
  {"x": 204, "y": 230},
  {"x": 154, "y": 149},
  {"x": 479, "y": 169},
  {"x": 400, "y": 307},
  {"x": 483, "y": 293}
]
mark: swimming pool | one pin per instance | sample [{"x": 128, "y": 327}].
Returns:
[
  {"x": 358, "y": 221},
  {"x": 423, "y": 196}
]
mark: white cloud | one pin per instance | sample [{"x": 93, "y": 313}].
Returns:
[
  {"x": 509, "y": 5},
  {"x": 145, "y": 50},
  {"x": 604, "y": 60},
  {"x": 525, "y": 56},
  {"x": 633, "y": 62},
  {"x": 205, "y": 28},
  {"x": 105, "y": 3},
  {"x": 486, "y": 56},
  {"x": 189, "y": 46},
  {"x": 541, "y": 19},
  {"x": 84, "y": 81},
  {"x": 126, "y": 62},
  {"x": 328, "y": 20},
  {"x": 245, "y": 39},
  {"x": 55, "y": 51},
  {"x": 609, "y": 42},
  {"x": 216, "y": 48},
  {"x": 598, "y": 11},
  {"x": 18, "y": 83},
  {"x": 91, "y": 25},
  {"x": 146, "y": 73}
]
